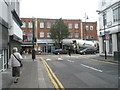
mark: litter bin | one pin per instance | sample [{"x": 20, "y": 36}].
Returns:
[{"x": 117, "y": 55}]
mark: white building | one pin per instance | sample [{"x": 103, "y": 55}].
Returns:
[
  {"x": 10, "y": 31},
  {"x": 109, "y": 24}
]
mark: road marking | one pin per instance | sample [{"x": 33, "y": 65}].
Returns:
[
  {"x": 40, "y": 78},
  {"x": 100, "y": 60},
  {"x": 52, "y": 76},
  {"x": 92, "y": 68},
  {"x": 70, "y": 60},
  {"x": 60, "y": 59},
  {"x": 48, "y": 59}
]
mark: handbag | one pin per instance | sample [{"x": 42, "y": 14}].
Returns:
[{"x": 18, "y": 60}]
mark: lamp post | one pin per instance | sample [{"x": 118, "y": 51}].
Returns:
[
  {"x": 86, "y": 17},
  {"x": 33, "y": 50}
]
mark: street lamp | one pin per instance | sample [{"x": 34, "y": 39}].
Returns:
[
  {"x": 86, "y": 17},
  {"x": 104, "y": 23}
]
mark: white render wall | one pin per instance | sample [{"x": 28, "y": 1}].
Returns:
[
  {"x": 3, "y": 10},
  {"x": 16, "y": 30},
  {"x": 111, "y": 26}
]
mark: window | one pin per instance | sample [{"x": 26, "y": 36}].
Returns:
[
  {"x": 91, "y": 27},
  {"x": 76, "y": 26},
  {"x": 41, "y": 34},
  {"x": 41, "y": 24},
  {"x": 76, "y": 34},
  {"x": 116, "y": 16},
  {"x": 48, "y": 34},
  {"x": 70, "y": 25},
  {"x": 70, "y": 35},
  {"x": 103, "y": 2},
  {"x": 91, "y": 36},
  {"x": 24, "y": 24},
  {"x": 30, "y": 24},
  {"x": 29, "y": 36},
  {"x": 86, "y": 36},
  {"x": 86, "y": 27},
  {"x": 48, "y": 25}
]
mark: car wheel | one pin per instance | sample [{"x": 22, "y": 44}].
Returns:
[
  {"x": 84, "y": 53},
  {"x": 94, "y": 52}
]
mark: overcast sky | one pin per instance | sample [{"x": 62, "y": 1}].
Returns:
[{"x": 55, "y": 9}]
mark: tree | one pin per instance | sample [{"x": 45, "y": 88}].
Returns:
[{"x": 58, "y": 32}]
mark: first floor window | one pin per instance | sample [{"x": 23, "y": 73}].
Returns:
[
  {"x": 70, "y": 35},
  {"x": 41, "y": 34},
  {"x": 91, "y": 36},
  {"x": 76, "y": 34},
  {"x": 48, "y": 34},
  {"x": 87, "y": 37}
]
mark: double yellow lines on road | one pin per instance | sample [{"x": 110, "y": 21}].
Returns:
[{"x": 57, "y": 84}]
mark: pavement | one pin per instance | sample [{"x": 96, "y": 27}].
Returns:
[{"x": 34, "y": 74}]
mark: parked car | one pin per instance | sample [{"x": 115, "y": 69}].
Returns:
[
  {"x": 88, "y": 51},
  {"x": 60, "y": 51}
]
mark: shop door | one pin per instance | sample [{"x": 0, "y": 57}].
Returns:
[{"x": 1, "y": 60}]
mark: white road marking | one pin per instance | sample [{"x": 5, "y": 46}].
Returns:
[
  {"x": 92, "y": 68},
  {"x": 48, "y": 59},
  {"x": 70, "y": 60},
  {"x": 60, "y": 59}
]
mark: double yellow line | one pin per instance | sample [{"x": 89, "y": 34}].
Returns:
[{"x": 57, "y": 84}]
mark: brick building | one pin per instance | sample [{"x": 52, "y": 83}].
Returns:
[
  {"x": 42, "y": 28},
  {"x": 89, "y": 31}
]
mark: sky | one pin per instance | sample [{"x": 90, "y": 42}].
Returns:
[{"x": 55, "y": 9}]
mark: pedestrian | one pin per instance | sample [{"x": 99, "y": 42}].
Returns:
[
  {"x": 21, "y": 51},
  {"x": 33, "y": 54},
  {"x": 69, "y": 51},
  {"x": 15, "y": 64}
]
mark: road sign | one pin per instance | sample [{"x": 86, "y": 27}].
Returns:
[{"x": 107, "y": 36}]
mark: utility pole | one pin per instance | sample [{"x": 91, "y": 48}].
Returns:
[
  {"x": 33, "y": 50},
  {"x": 104, "y": 22}
]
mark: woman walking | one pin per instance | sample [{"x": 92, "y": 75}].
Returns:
[{"x": 15, "y": 63}]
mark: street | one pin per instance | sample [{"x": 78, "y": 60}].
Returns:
[{"x": 80, "y": 71}]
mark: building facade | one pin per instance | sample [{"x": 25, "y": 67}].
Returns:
[
  {"x": 42, "y": 34},
  {"x": 109, "y": 24},
  {"x": 89, "y": 31},
  {"x": 10, "y": 31}
]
